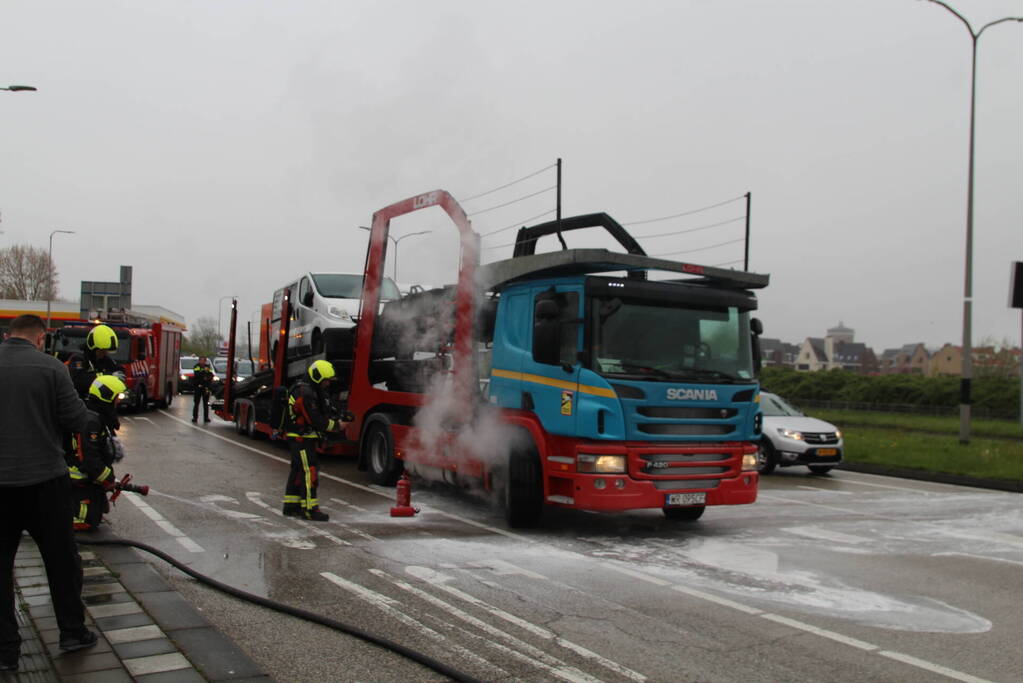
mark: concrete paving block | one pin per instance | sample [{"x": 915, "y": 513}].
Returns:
[
  {"x": 153, "y": 664},
  {"x": 172, "y": 611},
  {"x": 215, "y": 655},
  {"x": 140, "y": 577}
]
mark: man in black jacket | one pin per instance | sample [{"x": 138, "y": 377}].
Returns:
[{"x": 37, "y": 403}]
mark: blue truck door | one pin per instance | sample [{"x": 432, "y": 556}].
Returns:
[{"x": 552, "y": 374}]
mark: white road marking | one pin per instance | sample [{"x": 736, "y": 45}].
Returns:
[
  {"x": 928, "y": 666},
  {"x": 147, "y": 420},
  {"x": 808, "y": 628},
  {"x": 826, "y": 535},
  {"x": 178, "y": 535},
  {"x": 978, "y": 557},
  {"x": 348, "y": 505},
  {"x": 906, "y": 659},
  {"x": 439, "y": 580},
  {"x": 522, "y": 651},
  {"x": 255, "y": 498},
  {"x": 393, "y": 608}
]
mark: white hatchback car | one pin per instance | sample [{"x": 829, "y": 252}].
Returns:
[{"x": 792, "y": 438}]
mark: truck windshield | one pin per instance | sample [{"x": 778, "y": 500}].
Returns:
[
  {"x": 658, "y": 342},
  {"x": 348, "y": 286}
]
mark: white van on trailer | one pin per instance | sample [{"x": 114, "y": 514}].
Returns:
[{"x": 319, "y": 302}]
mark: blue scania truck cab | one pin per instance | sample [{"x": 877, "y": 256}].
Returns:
[{"x": 626, "y": 391}]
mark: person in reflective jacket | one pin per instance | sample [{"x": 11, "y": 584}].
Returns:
[
  {"x": 90, "y": 455},
  {"x": 202, "y": 381},
  {"x": 94, "y": 361},
  {"x": 306, "y": 423}
]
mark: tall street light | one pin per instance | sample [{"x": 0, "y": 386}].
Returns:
[
  {"x": 19, "y": 88},
  {"x": 49, "y": 274},
  {"x": 396, "y": 240},
  {"x": 967, "y": 375},
  {"x": 220, "y": 308}
]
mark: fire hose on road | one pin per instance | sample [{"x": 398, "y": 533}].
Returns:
[{"x": 380, "y": 641}]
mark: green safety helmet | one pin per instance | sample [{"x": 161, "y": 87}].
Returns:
[
  {"x": 101, "y": 338},
  {"x": 106, "y": 388},
  {"x": 321, "y": 370}
]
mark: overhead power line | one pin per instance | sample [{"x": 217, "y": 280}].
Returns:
[
  {"x": 702, "y": 227},
  {"x": 686, "y": 213},
  {"x": 516, "y": 224},
  {"x": 534, "y": 173},
  {"x": 526, "y": 196},
  {"x": 690, "y": 251}
]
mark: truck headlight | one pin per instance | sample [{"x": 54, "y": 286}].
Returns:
[
  {"x": 184, "y": 377},
  {"x": 600, "y": 464},
  {"x": 338, "y": 312},
  {"x": 749, "y": 462},
  {"x": 791, "y": 434}
]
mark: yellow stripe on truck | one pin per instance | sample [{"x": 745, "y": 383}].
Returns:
[{"x": 559, "y": 383}]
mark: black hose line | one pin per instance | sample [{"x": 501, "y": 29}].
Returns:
[{"x": 380, "y": 641}]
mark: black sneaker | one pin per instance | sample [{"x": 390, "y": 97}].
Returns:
[
  {"x": 317, "y": 515},
  {"x": 84, "y": 639}
]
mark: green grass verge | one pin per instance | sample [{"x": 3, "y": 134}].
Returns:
[
  {"x": 848, "y": 419},
  {"x": 983, "y": 458}
]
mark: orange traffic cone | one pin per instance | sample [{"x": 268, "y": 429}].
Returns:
[{"x": 403, "y": 494}]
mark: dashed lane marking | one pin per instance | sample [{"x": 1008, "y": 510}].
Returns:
[{"x": 178, "y": 535}]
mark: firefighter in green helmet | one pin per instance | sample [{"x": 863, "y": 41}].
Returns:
[
  {"x": 95, "y": 360},
  {"x": 307, "y": 421},
  {"x": 91, "y": 453}
]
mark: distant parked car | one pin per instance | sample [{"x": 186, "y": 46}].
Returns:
[
  {"x": 185, "y": 384},
  {"x": 792, "y": 438}
]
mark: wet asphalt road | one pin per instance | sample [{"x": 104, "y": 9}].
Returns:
[{"x": 847, "y": 577}]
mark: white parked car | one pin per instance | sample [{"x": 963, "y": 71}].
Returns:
[{"x": 792, "y": 438}]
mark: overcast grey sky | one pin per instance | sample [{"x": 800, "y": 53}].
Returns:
[{"x": 223, "y": 147}]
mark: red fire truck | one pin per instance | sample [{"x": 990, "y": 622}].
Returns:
[{"x": 148, "y": 355}]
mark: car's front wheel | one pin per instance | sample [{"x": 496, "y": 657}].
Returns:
[{"x": 767, "y": 458}]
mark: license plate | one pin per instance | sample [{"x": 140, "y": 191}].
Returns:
[
  {"x": 686, "y": 499},
  {"x": 827, "y": 451}
]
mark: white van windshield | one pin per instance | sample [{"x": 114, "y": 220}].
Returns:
[{"x": 340, "y": 286}]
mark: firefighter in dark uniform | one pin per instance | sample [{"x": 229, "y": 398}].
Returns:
[
  {"x": 90, "y": 456},
  {"x": 202, "y": 381},
  {"x": 94, "y": 361},
  {"x": 306, "y": 422}
]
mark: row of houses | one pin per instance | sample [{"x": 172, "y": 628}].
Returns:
[{"x": 839, "y": 350}]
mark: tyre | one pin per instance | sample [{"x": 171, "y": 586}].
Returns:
[
  {"x": 378, "y": 452},
  {"x": 143, "y": 401},
  {"x": 689, "y": 514},
  {"x": 820, "y": 469},
  {"x": 523, "y": 489},
  {"x": 767, "y": 458},
  {"x": 239, "y": 423},
  {"x": 250, "y": 424}
]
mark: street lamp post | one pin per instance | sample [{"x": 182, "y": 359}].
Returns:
[
  {"x": 220, "y": 308},
  {"x": 49, "y": 273},
  {"x": 396, "y": 240},
  {"x": 967, "y": 370}
]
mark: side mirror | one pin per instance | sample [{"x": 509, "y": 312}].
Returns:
[
  {"x": 756, "y": 326},
  {"x": 756, "y": 329}
]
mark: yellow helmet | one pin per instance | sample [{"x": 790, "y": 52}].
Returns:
[
  {"x": 321, "y": 370},
  {"x": 102, "y": 338},
  {"x": 106, "y": 388}
]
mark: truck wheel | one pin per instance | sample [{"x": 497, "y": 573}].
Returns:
[
  {"x": 250, "y": 424},
  {"x": 378, "y": 452},
  {"x": 143, "y": 401},
  {"x": 690, "y": 514},
  {"x": 767, "y": 458},
  {"x": 820, "y": 469},
  {"x": 523, "y": 489}
]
